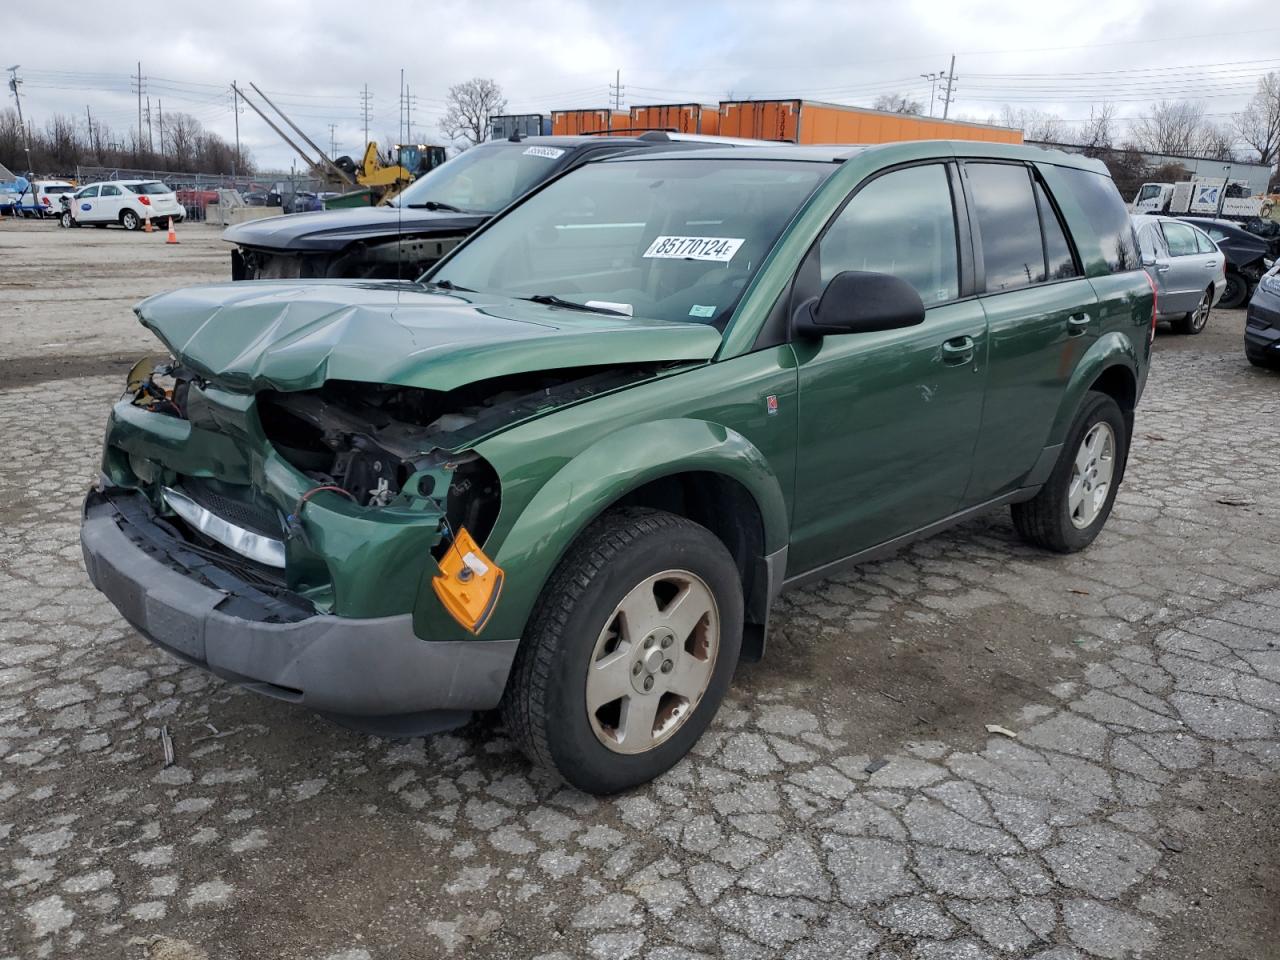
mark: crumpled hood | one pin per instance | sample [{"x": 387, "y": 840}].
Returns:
[
  {"x": 291, "y": 335},
  {"x": 334, "y": 229}
]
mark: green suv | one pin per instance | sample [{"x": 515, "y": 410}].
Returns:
[{"x": 567, "y": 471}]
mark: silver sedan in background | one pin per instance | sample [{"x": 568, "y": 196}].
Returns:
[{"x": 1188, "y": 269}]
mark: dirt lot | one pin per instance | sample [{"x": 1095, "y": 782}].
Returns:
[{"x": 848, "y": 802}]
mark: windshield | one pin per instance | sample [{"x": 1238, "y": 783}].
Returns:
[
  {"x": 664, "y": 239},
  {"x": 150, "y": 188},
  {"x": 484, "y": 179},
  {"x": 1149, "y": 191}
]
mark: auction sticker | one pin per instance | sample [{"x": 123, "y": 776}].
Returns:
[
  {"x": 551, "y": 153},
  {"x": 716, "y": 249}
]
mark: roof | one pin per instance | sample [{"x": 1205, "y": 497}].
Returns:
[{"x": 836, "y": 153}]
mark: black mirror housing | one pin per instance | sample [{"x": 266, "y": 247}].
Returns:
[{"x": 856, "y": 301}]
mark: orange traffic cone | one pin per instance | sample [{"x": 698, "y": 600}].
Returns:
[
  {"x": 146, "y": 226},
  {"x": 173, "y": 237}
]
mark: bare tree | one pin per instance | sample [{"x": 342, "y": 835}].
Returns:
[
  {"x": 183, "y": 133},
  {"x": 1216, "y": 142},
  {"x": 1035, "y": 124},
  {"x": 1174, "y": 126},
  {"x": 471, "y": 104},
  {"x": 1258, "y": 124},
  {"x": 898, "y": 103},
  {"x": 1098, "y": 132}
]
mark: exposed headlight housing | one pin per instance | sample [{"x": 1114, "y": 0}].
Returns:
[{"x": 1271, "y": 283}]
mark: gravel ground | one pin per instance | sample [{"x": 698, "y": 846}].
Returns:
[{"x": 848, "y": 802}]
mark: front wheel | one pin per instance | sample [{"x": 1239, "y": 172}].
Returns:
[
  {"x": 129, "y": 220},
  {"x": 1072, "y": 507},
  {"x": 1235, "y": 292},
  {"x": 629, "y": 652},
  {"x": 65, "y": 220},
  {"x": 1195, "y": 321}
]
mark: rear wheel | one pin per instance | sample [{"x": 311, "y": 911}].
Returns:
[
  {"x": 1072, "y": 507},
  {"x": 130, "y": 220},
  {"x": 629, "y": 651},
  {"x": 1195, "y": 321},
  {"x": 1235, "y": 292}
]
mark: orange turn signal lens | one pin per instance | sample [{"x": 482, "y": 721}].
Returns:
[{"x": 469, "y": 583}]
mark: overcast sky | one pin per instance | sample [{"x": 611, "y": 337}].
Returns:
[{"x": 316, "y": 57}]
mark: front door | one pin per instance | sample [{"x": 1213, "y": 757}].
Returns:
[
  {"x": 85, "y": 207},
  {"x": 888, "y": 420}
]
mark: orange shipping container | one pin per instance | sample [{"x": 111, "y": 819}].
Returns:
[
  {"x": 568, "y": 123},
  {"x": 805, "y": 121},
  {"x": 677, "y": 117}
]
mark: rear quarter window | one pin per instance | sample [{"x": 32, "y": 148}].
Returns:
[{"x": 1105, "y": 216}]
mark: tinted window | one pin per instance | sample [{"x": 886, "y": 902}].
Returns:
[
  {"x": 1057, "y": 251},
  {"x": 1010, "y": 226},
  {"x": 58, "y": 188},
  {"x": 485, "y": 178},
  {"x": 109, "y": 191},
  {"x": 1180, "y": 239},
  {"x": 901, "y": 223},
  {"x": 1098, "y": 198},
  {"x": 88, "y": 192},
  {"x": 151, "y": 187}
]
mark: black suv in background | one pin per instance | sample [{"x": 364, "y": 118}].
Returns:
[
  {"x": 400, "y": 239},
  {"x": 1248, "y": 257}
]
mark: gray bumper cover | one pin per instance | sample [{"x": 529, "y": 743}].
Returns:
[{"x": 375, "y": 668}]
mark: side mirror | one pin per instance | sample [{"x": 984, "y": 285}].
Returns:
[
  {"x": 859, "y": 302},
  {"x": 1148, "y": 261}
]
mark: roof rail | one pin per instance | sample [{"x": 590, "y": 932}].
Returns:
[{"x": 649, "y": 132}]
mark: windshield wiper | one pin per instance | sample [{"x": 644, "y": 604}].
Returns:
[
  {"x": 448, "y": 285},
  {"x": 435, "y": 205},
  {"x": 551, "y": 300}
]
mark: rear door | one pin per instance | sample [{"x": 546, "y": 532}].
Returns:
[
  {"x": 888, "y": 420},
  {"x": 1041, "y": 315},
  {"x": 1187, "y": 277}
]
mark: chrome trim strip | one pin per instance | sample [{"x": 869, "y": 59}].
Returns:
[{"x": 255, "y": 546}]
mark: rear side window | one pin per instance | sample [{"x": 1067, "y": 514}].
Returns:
[
  {"x": 150, "y": 188},
  {"x": 1180, "y": 238},
  {"x": 901, "y": 223},
  {"x": 1100, "y": 200},
  {"x": 1057, "y": 251},
  {"x": 1012, "y": 252},
  {"x": 1203, "y": 243},
  {"x": 1150, "y": 242},
  {"x": 109, "y": 191}
]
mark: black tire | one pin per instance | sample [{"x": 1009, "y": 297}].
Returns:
[
  {"x": 1236, "y": 292},
  {"x": 1195, "y": 321},
  {"x": 545, "y": 708},
  {"x": 1045, "y": 520},
  {"x": 66, "y": 220},
  {"x": 130, "y": 220}
]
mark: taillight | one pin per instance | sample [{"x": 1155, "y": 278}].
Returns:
[
  {"x": 1151, "y": 334},
  {"x": 45, "y": 201},
  {"x": 145, "y": 200}
]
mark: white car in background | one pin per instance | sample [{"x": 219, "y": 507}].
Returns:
[
  {"x": 44, "y": 194},
  {"x": 126, "y": 202}
]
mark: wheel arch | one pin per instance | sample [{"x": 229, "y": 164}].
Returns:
[
  {"x": 697, "y": 469},
  {"x": 1111, "y": 367}
]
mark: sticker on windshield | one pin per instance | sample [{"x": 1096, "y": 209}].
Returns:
[
  {"x": 702, "y": 310},
  {"x": 551, "y": 153},
  {"x": 716, "y": 249}
]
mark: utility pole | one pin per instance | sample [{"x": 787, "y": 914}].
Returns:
[
  {"x": 235, "y": 102},
  {"x": 14, "y": 84},
  {"x": 139, "y": 87},
  {"x": 151, "y": 141},
  {"x": 616, "y": 90},
  {"x": 364, "y": 107},
  {"x": 933, "y": 79},
  {"x": 89, "y": 119},
  {"x": 951, "y": 79},
  {"x": 400, "y": 129},
  {"x": 160, "y": 115},
  {"x": 333, "y": 140}
]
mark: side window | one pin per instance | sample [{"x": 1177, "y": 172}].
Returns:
[
  {"x": 1181, "y": 241},
  {"x": 1108, "y": 217},
  {"x": 902, "y": 223},
  {"x": 1057, "y": 252},
  {"x": 88, "y": 192},
  {"x": 1203, "y": 243},
  {"x": 110, "y": 191},
  {"x": 1012, "y": 252},
  {"x": 1150, "y": 243}
]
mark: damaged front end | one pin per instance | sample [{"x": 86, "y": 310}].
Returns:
[{"x": 384, "y": 258}]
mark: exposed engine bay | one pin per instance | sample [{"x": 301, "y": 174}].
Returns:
[{"x": 398, "y": 258}]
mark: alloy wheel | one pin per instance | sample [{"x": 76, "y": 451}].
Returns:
[
  {"x": 1201, "y": 315},
  {"x": 1091, "y": 475},
  {"x": 652, "y": 661}
]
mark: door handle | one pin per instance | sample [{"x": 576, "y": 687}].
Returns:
[
  {"x": 1077, "y": 324},
  {"x": 957, "y": 351},
  {"x": 1162, "y": 268},
  {"x": 1210, "y": 265}
]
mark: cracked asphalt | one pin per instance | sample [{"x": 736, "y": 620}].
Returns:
[{"x": 849, "y": 801}]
